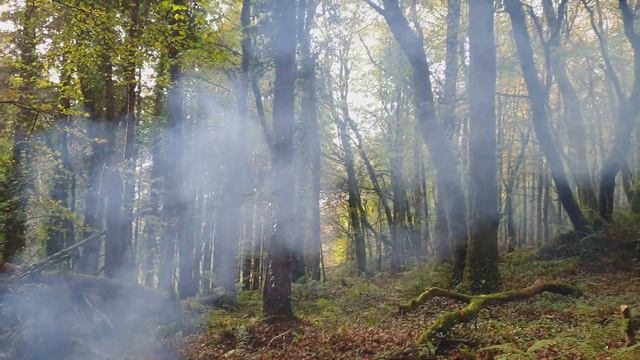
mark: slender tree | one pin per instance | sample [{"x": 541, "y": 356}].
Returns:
[
  {"x": 537, "y": 99},
  {"x": 15, "y": 185},
  {"x": 442, "y": 155},
  {"x": 627, "y": 114},
  {"x": 578, "y": 162},
  {"x": 311, "y": 125}
]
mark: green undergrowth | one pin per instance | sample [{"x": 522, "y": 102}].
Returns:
[{"x": 546, "y": 326}]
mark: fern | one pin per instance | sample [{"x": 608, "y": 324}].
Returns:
[{"x": 243, "y": 338}]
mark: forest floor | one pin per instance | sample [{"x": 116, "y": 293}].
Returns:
[{"x": 357, "y": 318}]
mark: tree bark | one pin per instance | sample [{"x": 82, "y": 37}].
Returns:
[
  {"x": 420, "y": 231},
  {"x": 131, "y": 152},
  {"x": 481, "y": 272},
  {"x": 398, "y": 187},
  {"x": 310, "y": 119},
  {"x": 277, "y": 288},
  {"x": 451, "y": 66},
  {"x": 353, "y": 195},
  {"x": 118, "y": 260}
]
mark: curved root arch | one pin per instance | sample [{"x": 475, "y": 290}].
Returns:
[{"x": 475, "y": 303}]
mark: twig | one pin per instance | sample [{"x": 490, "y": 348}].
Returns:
[
  {"x": 99, "y": 312},
  {"x": 278, "y": 336}
]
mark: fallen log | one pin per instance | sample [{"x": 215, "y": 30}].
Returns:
[
  {"x": 18, "y": 272},
  {"x": 475, "y": 303},
  {"x": 101, "y": 286},
  {"x": 219, "y": 298},
  {"x": 82, "y": 284}
]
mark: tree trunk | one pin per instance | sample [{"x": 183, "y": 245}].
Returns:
[
  {"x": 117, "y": 262},
  {"x": 153, "y": 217},
  {"x": 627, "y": 114},
  {"x": 441, "y": 244},
  {"x": 236, "y": 168},
  {"x": 451, "y": 66},
  {"x": 310, "y": 121},
  {"x": 420, "y": 230},
  {"x": 61, "y": 231},
  {"x": 173, "y": 205},
  {"x": 398, "y": 187},
  {"x": 89, "y": 260},
  {"x": 374, "y": 180},
  {"x": 353, "y": 195},
  {"x": 440, "y": 148},
  {"x": 16, "y": 182},
  {"x": 575, "y": 122},
  {"x": 537, "y": 100},
  {"x": 130, "y": 149},
  {"x": 277, "y": 288},
  {"x": 546, "y": 211},
  {"x": 539, "y": 190},
  {"x": 481, "y": 272},
  {"x": 524, "y": 211}
]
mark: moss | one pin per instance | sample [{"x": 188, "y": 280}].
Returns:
[
  {"x": 543, "y": 327},
  {"x": 445, "y": 322}
]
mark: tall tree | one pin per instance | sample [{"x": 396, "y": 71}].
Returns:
[
  {"x": 309, "y": 116},
  {"x": 537, "y": 99},
  {"x": 481, "y": 272},
  {"x": 117, "y": 261},
  {"x": 353, "y": 190},
  {"x": 441, "y": 243},
  {"x": 277, "y": 288},
  {"x": 15, "y": 185},
  {"x": 236, "y": 168},
  {"x": 627, "y": 114},
  {"x": 138, "y": 10},
  {"x": 578, "y": 161},
  {"x": 174, "y": 206},
  {"x": 61, "y": 231},
  {"x": 442, "y": 155}
]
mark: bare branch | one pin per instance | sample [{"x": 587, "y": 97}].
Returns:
[{"x": 376, "y": 7}]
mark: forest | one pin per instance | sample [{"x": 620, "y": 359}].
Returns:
[{"x": 319, "y": 179}]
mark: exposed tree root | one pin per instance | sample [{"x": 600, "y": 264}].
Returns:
[
  {"x": 631, "y": 324},
  {"x": 475, "y": 303}
]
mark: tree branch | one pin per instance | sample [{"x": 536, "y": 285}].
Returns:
[{"x": 376, "y": 7}]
